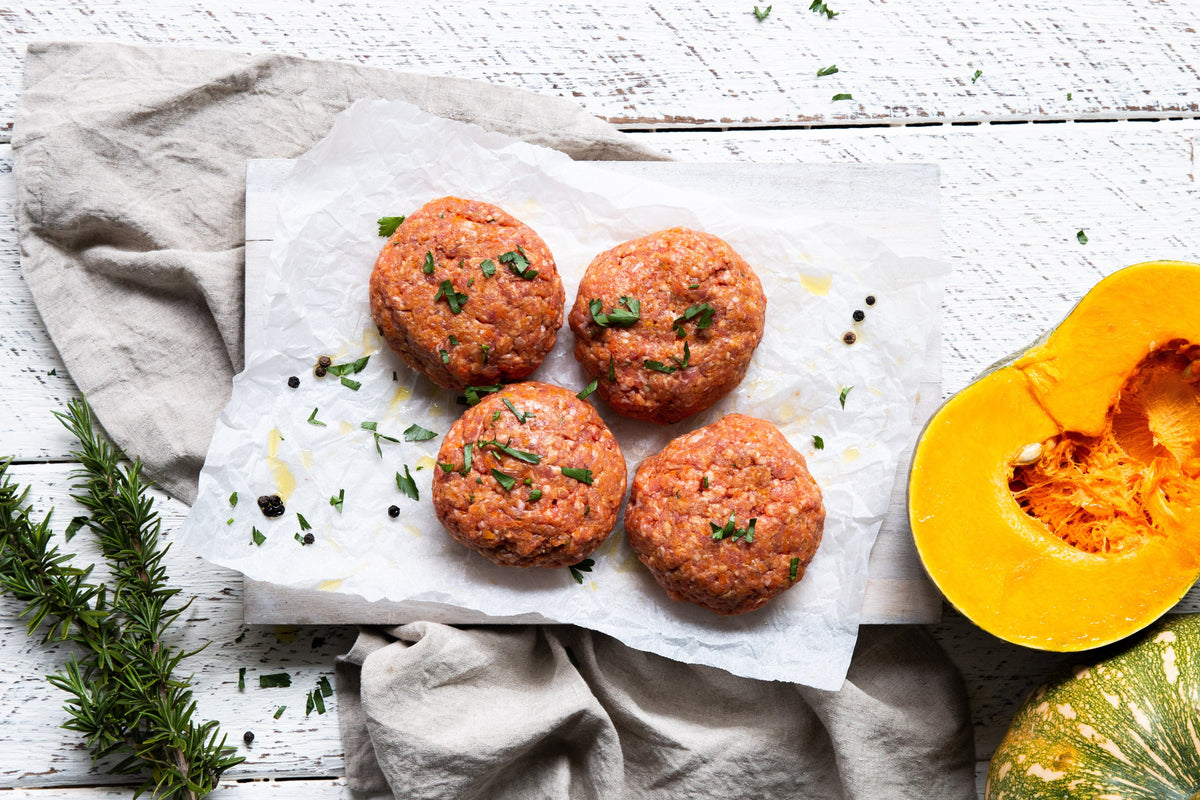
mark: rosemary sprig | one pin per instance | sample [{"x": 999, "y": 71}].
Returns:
[{"x": 122, "y": 695}]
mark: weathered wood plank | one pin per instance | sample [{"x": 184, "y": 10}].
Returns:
[
  {"x": 35, "y": 751},
  {"x": 676, "y": 63}
]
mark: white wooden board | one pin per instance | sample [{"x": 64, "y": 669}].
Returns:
[
  {"x": 900, "y": 202},
  {"x": 679, "y": 63}
]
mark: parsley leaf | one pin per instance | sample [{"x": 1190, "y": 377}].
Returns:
[
  {"x": 233, "y": 499},
  {"x": 518, "y": 263},
  {"x": 507, "y": 482},
  {"x": 730, "y": 529},
  {"x": 351, "y": 384},
  {"x": 830, "y": 70},
  {"x": 1081, "y": 236},
  {"x": 520, "y": 415},
  {"x": 702, "y": 310},
  {"x": 415, "y": 433},
  {"x": 843, "y": 96},
  {"x": 621, "y": 317},
  {"x": 350, "y": 368},
  {"x": 388, "y": 225},
  {"x": 508, "y": 450},
  {"x": 304, "y": 526},
  {"x": 312, "y": 419},
  {"x": 577, "y": 570},
  {"x": 761, "y": 15},
  {"x": 488, "y": 266},
  {"x": 257, "y": 536},
  {"x": 793, "y": 568},
  {"x": 468, "y": 450},
  {"x": 428, "y": 266},
  {"x": 276, "y": 680},
  {"x": 407, "y": 485},
  {"x": 535, "y": 495},
  {"x": 336, "y": 502},
  {"x": 819, "y": 7},
  {"x": 580, "y": 474},
  {"x": 456, "y": 300},
  {"x": 978, "y": 74},
  {"x": 842, "y": 396},
  {"x": 591, "y": 387},
  {"x": 818, "y": 442},
  {"x": 279, "y": 711},
  {"x": 241, "y": 678},
  {"x": 683, "y": 363},
  {"x": 473, "y": 392}
]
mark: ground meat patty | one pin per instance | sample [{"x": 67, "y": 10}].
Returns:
[
  {"x": 488, "y": 500},
  {"x": 448, "y": 298},
  {"x": 700, "y": 317},
  {"x": 737, "y": 469}
]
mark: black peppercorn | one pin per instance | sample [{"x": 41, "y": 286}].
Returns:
[
  {"x": 849, "y": 338},
  {"x": 248, "y": 737},
  {"x": 319, "y": 372},
  {"x": 393, "y": 511},
  {"x": 294, "y": 382},
  {"x": 870, "y": 299},
  {"x": 271, "y": 506},
  {"x": 263, "y": 501},
  {"x": 309, "y": 538},
  {"x": 858, "y": 315},
  {"x": 324, "y": 361}
]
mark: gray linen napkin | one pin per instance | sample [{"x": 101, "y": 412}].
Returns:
[{"x": 130, "y": 165}]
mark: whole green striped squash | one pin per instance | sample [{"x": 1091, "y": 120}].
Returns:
[{"x": 1126, "y": 728}]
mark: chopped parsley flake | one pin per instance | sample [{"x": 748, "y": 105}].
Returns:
[
  {"x": 445, "y": 356},
  {"x": 373, "y": 428},
  {"x": 518, "y": 263},
  {"x": 488, "y": 266},
  {"x": 520, "y": 415},
  {"x": 978, "y": 74},
  {"x": 535, "y": 495},
  {"x": 453, "y": 340},
  {"x": 351, "y": 384},
  {"x": 468, "y": 453},
  {"x": 702, "y": 310},
  {"x": 388, "y": 225},
  {"x": 704, "y": 482},
  {"x": 761, "y": 15},
  {"x": 456, "y": 300},
  {"x": 483, "y": 349},
  {"x": 842, "y": 397},
  {"x": 304, "y": 526},
  {"x": 818, "y": 442},
  {"x": 843, "y": 96},
  {"x": 495, "y": 416},
  {"x": 350, "y": 368},
  {"x": 312, "y": 419},
  {"x": 793, "y": 568},
  {"x": 276, "y": 680},
  {"x": 233, "y": 499},
  {"x": 731, "y": 531},
  {"x": 415, "y": 433},
  {"x": 407, "y": 485},
  {"x": 578, "y": 473},
  {"x": 620, "y": 317},
  {"x": 337, "y": 501},
  {"x": 507, "y": 482},
  {"x": 241, "y": 678},
  {"x": 279, "y": 711},
  {"x": 508, "y": 450},
  {"x": 447, "y": 468},
  {"x": 591, "y": 387},
  {"x": 577, "y": 570},
  {"x": 428, "y": 266},
  {"x": 612, "y": 372},
  {"x": 473, "y": 392},
  {"x": 323, "y": 685},
  {"x": 819, "y": 7},
  {"x": 830, "y": 70},
  {"x": 680, "y": 363},
  {"x": 257, "y": 536},
  {"x": 1081, "y": 236}
]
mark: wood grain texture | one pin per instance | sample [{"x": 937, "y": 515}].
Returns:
[{"x": 676, "y": 63}]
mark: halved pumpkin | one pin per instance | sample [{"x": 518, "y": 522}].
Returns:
[{"x": 1055, "y": 501}]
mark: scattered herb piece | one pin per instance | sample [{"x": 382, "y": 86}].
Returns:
[
  {"x": 53, "y": 372},
  {"x": 731, "y": 531},
  {"x": 507, "y": 482},
  {"x": 312, "y": 419},
  {"x": 819, "y": 7},
  {"x": 702, "y": 310},
  {"x": 761, "y": 15},
  {"x": 445, "y": 356},
  {"x": 74, "y": 527},
  {"x": 233, "y": 499},
  {"x": 394, "y": 378},
  {"x": 227, "y": 522},
  {"x": 337, "y": 501},
  {"x": 577, "y": 570},
  {"x": 683, "y": 363},
  {"x": 388, "y": 225},
  {"x": 447, "y": 468},
  {"x": 704, "y": 482},
  {"x": 978, "y": 74},
  {"x": 495, "y": 417},
  {"x": 276, "y": 680},
  {"x": 843, "y": 96},
  {"x": 830, "y": 70},
  {"x": 620, "y": 317},
  {"x": 1070, "y": 95},
  {"x": 518, "y": 263},
  {"x": 591, "y": 387},
  {"x": 415, "y": 433},
  {"x": 473, "y": 392},
  {"x": 578, "y": 473},
  {"x": 453, "y": 340},
  {"x": 304, "y": 526},
  {"x": 488, "y": 266},
  {"x": 509, "y": 450},
  {"x": 483, "y": 349},
  {"x": 520, "y": 415},
  {"x": 373, "y": 427},
  {"x": 279, "y": 711},
  {"x": 351, "y": 384},
  {"x": 612, "y": 372},
  {"x": 535, "y": 495},
  {"x": 1081, "y": 236},
  {"x": 468, "y": 450},
  {"x": 257, "y": 536},
  {"x": 306, "y": 539},
  {"x": 428, "y": 266},
  {"x": 456, "y": 300},
  {"x": 350, "y": 368},
  {"x": 323, "y": 685},
  {"x": 241, "y": 679},
  {"x": 693, "y": 286},
  {"x": 818, "y": 442},
  {"x": 842, "y": 395},
  {"x": 793, "y": 568},
  {"x": 407, "y": 485}
]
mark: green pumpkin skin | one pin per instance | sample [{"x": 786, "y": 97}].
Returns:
[{"x": 1127, "y": 728}]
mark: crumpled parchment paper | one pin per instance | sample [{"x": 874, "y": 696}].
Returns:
[{"x": 388, "y": 158}]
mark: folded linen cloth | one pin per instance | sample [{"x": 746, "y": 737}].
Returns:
[{"x": 130, "y": 165}]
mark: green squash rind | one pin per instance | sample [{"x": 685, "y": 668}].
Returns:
[{"x": 1127, "y": 727}]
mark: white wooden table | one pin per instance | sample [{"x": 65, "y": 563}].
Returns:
[{"x": 1084, "y": 116}]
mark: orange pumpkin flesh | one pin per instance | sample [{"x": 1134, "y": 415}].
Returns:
[{"x": 1058, "y": 518}]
